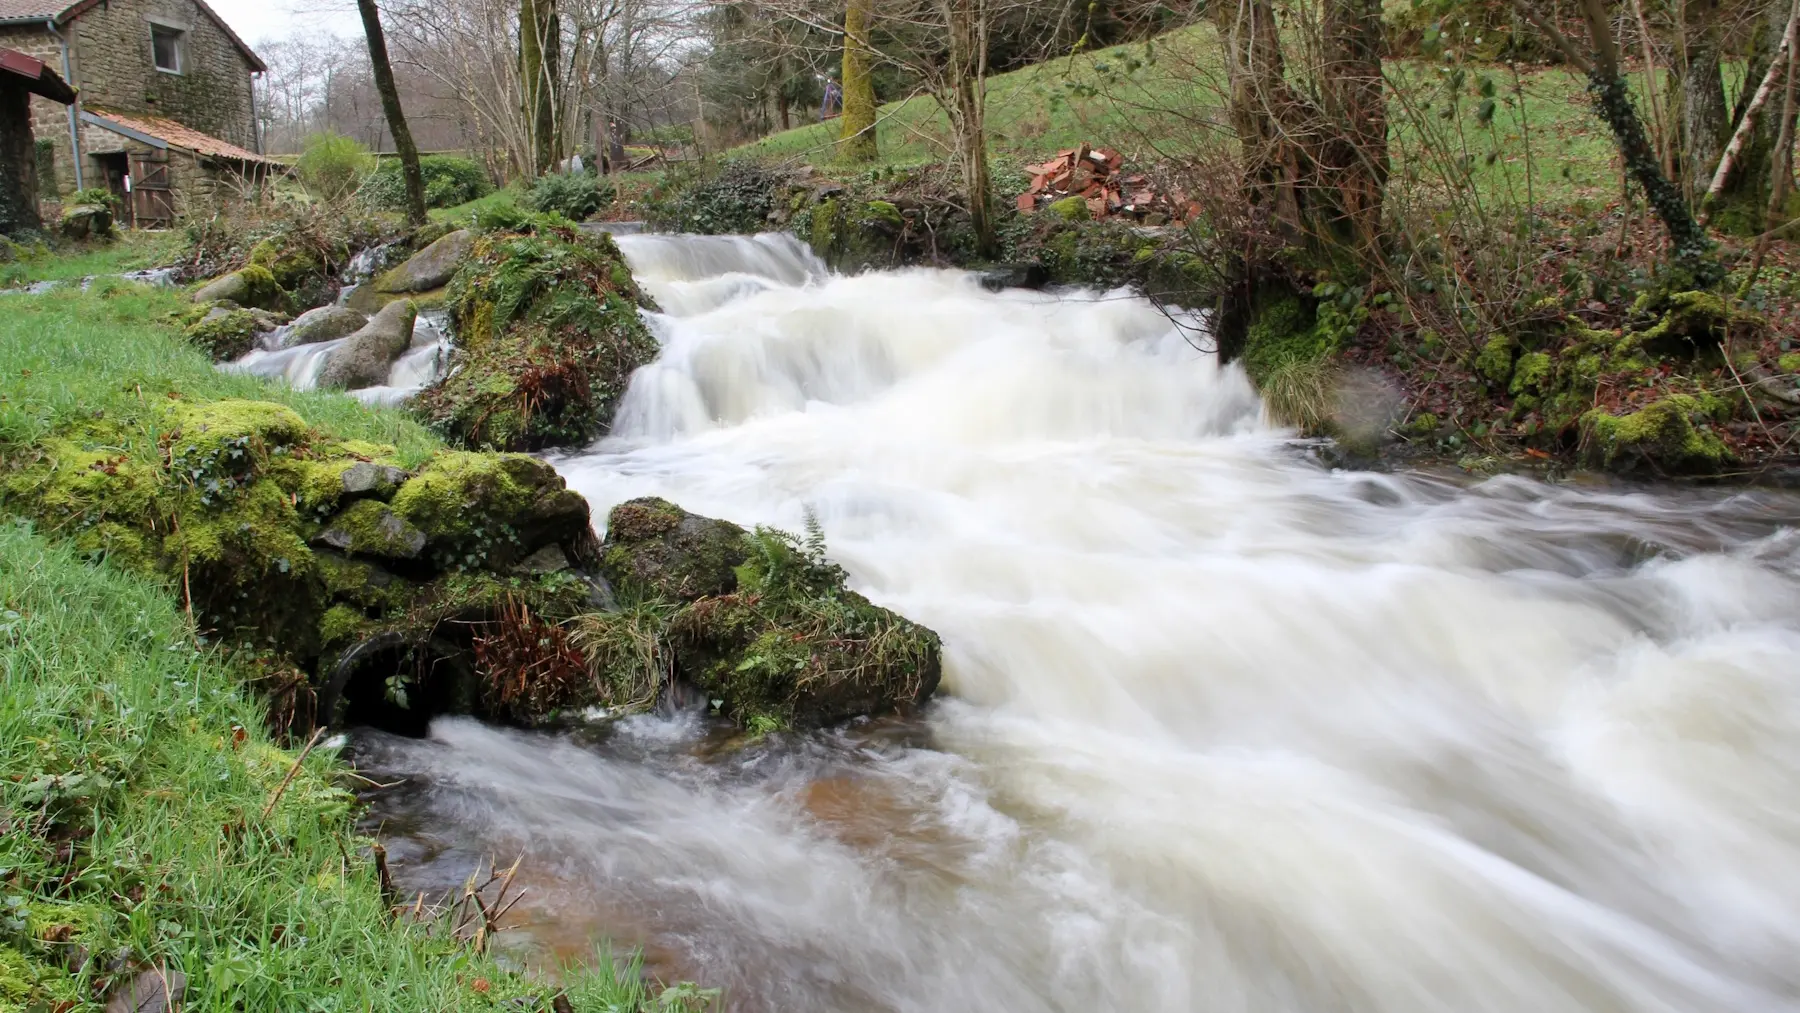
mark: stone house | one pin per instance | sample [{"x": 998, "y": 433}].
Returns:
[{"x": 165, "y": 111}]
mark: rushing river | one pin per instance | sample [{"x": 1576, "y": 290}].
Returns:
[{"x": 1220, "y": 730}]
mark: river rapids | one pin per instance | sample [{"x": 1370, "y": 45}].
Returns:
[{"x": 1220, "y": 730}]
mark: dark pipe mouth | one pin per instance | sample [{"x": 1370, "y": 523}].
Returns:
[{"x": 398, "y": 682}]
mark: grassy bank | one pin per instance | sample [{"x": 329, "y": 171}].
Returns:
[
  {"x": 147, "y": 825},
  {"x": 1165, "y": 99},
  {"x": 131, "y": 251}
]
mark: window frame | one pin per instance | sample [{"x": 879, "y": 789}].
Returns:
[{"x": 177, "y": 35}]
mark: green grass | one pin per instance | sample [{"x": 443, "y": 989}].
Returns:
[
  {"x": 1164, "y": 100},
  {"x": 134, "y": 768},
  {"x": 132, "y": 251},
  {"x": 69, "y": 354},
  {"x": 504, "y": 197}
]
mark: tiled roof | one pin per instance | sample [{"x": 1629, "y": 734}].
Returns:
[
  {"x": 178, "y": 135},
  {"x": 62, "y": 11},
  {"x": 43, "y": 80},
  {"x": 33, "y": 10}
]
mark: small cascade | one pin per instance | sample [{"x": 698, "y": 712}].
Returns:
[
  {"x": 692, "y": 274},
  {"x": 362, "y": 267},
  {"x": 299, "y": 366},
  {"x": 423, "y": 363}
]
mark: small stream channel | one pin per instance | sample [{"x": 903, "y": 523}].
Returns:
[{"x": 1221, "y": 730}]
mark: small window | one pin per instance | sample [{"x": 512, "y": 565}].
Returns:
[{"x": 166, "y": 45}]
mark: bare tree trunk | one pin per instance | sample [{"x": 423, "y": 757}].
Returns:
[
  {"x": 1703, "y": 113},
  {"x": 396, "y": 117},
  {"x": 1354, "y": 159},
  {"x": 1261, "y": 100},
  {"x": 539, "y": 43},
  {"x": 856, "y": 137}
]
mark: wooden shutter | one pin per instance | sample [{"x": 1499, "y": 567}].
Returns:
[{"x": 152, "y": 205}]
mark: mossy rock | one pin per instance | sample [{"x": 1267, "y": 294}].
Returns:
[
  {"x": 225, "y": 332},
  {"x": 1494, "y": 363},
  {"x": 758, "y": 621},
  {"x": 298, "y": 269},
  {"x": 1069, "y": 209},
  {"x": 251, "y": 287},
  {"x": 655, "y": 549},
  {"x": 1690, "y": 324},
  {"x": 493, "y": 510},
  {"x": 1671, "y": 436},
  {"x": 548, "y": 335},
  {"x": 271, "y": 530},
  {"x": 1532, "y": 373}
]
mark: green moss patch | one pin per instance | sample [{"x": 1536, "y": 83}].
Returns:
[{"x": 1670, "y": 436}]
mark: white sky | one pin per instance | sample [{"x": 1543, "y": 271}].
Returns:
[{"x": 258, "y": 21}]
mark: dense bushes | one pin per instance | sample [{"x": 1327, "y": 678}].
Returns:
[
  {"x": 333, "y": 166},
  {"x": 736, "y": 197},
  {"x": 449, "y": 181},
  {"x": 576, "y": 196}
]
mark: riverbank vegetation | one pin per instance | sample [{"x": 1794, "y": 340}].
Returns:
[{"x": 158, "y": 826}]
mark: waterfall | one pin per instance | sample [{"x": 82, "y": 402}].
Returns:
[
  {"x": 1222, "y": 730},
  {"x": 421, "y": 365}
]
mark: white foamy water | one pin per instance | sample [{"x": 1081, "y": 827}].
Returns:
[
  {"x": 1220, "y": 730},
  {"x": 421, "y": 365}
]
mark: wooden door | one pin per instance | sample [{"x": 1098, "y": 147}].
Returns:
[{"x": 152, "y": 205}]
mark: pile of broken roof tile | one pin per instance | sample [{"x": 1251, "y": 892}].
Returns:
[{"x": 1097, "y": 176}]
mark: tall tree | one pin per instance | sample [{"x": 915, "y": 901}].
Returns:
[
  {"x": 965, "y": 82},
  {"x": 1704, "y": 118},
  {"x": 540, "y": 47},
  {"x": 396, "y": 117},
  {"x": 856, "y": 137},
  {"x": 1354, "y": 155}
]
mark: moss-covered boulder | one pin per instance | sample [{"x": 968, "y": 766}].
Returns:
[
  {"x": 286, "y": 540},
  {"x": 1690, "y": 324},
  {"x": 1671, "y": 436},
  {"x": 761, "y": 622},
  {"x": 249, "y": 287},
  {"x": 655, "y": 549},
  {"x": 431, "y": 268},
  {"x": 323, "y": 323},
  {"x": 493, "y": 510},
  {"x": 365, "y": 357},
  {"x": 87, "y": 221},
  {"x": 224, "y": 331},
  {"x": 547, "y": 337}
]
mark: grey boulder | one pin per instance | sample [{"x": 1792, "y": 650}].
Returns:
[
  {"x": 430, "y": 268},
  {"x": 326, "y": 323},
  {"x": 364, "y": 358}
]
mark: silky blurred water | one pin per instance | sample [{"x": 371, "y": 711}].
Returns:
[{"x": 1220, "y": 729}]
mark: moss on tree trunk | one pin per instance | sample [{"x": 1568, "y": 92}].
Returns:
[{"x": 857, "y": 137}]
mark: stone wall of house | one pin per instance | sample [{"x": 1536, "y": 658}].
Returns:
[{"x": 113, "y": 67}]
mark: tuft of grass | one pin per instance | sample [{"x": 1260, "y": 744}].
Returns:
[
  {"x": 1299, "y": 393},
  {"x": 628, "y": 653}
]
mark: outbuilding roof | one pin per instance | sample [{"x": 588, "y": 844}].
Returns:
[{"x": 154, "y": 129}]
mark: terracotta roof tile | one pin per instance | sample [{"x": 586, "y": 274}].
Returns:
[
  {"x": 33, "y": 10},
  {"x": 179, "y": 135}
]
